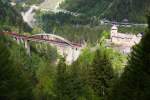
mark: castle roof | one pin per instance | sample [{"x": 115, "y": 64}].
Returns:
[{"x": 114, "y": 27}]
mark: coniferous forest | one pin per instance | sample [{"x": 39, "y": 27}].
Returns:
[{"x": 99, "y": 73}]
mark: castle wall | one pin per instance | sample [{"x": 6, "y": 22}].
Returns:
[{"x": 124, "y": 40}]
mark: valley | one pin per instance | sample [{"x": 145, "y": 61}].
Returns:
[{"x": 74, "y": 49}]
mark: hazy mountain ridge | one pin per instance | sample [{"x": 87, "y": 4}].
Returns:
[{"x": 133, "y": 10}]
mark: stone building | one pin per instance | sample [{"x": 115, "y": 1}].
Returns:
[{"x": 124, "y": 40}]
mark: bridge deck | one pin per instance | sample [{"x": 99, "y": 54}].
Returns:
[{"x": 38, "y": 39}]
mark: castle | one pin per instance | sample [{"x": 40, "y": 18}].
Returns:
[{"x": 124, "y": 40}]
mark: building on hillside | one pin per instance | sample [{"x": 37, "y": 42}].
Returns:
[{"x": 124, "y": 40}]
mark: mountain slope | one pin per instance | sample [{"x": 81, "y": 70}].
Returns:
[
  {"x": 88, "y": 7},
  {"x": 134, "y": 10}
]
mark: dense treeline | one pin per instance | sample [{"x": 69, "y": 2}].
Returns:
[
  {"x": 14, "y": 82},
  {"x": 133, "y": 10},
  {"x": 25, "y": 77}
]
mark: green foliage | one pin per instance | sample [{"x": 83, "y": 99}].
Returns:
[
  {"x": 45, "y": 77},
  {"x": 61, "y": 83},
  {"x": 86, "y": 53},
  {"x": 106, "y": 34},
  {"x": 101, "y": 74},
  {"x": 45, "y": 51},
  {"x": 49, "y": 20},
  {"x": 94, "y": 7},
  {"x": 75, "y": 32},
  {"x": 37, "y": 30},
  {"x": 37, "y": 67},
  {"x": 133, "y": 29},
  {"x": 70, "y": 84},
  {"x": 134, "y": 10},
  {"x": 118, "y": 61},
  {"x": 135, "y": 81},
  {"x": 14, "y": 83},
  {"x": 78, "y": 87}
]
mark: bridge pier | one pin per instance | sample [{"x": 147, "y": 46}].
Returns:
[
  {"x": 27, "y": 46},
  {"x": 17, "y": 39}
]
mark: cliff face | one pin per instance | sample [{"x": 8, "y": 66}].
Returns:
[{"x": 134, "y": 10}]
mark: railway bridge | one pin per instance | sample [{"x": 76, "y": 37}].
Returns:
[{"x": 65, "y": 48}]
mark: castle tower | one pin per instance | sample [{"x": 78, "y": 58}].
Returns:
[
  {"x": 114, "y": 30},
  {"x": 113, "y": 33}
]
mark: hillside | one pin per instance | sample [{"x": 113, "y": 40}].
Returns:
[
  {"x": 10, "y": 18},
  {"x": 133, "y": 10}
]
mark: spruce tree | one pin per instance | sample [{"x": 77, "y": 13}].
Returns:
[
  {"x": 77, "y": 86},
  {"x": 13, "y": 83},
  {"x": 134, "y": 84},
  {"x": 61, "y": 83},
  {"x": 101, "y": 74},
  {"x": 69, "y": 85}
]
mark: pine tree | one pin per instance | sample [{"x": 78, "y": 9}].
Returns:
[
  {"x": 134, "y": 83},
  {"x": 101, "y": 74},
  {"x": 13, "y": 83},
  {"x": 61, "y": 84},
  {"x": 77, "y": 86},
  {"x": 69, "y": 85}
]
